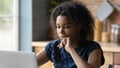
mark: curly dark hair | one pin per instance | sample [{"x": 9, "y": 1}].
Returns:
[{"x": 77, "y": 12}]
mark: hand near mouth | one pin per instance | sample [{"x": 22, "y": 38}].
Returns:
[{"x": 66, "y": 43}]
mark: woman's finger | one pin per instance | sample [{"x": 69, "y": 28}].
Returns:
[{"x": 60, "y": 45}]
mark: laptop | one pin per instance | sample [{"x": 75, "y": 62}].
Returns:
[{"x": 17, "y": 59}]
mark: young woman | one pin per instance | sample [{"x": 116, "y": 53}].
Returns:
[{"x": 74, "y": 25}]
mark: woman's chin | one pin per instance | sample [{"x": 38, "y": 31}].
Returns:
[{"x": 60, "y": 38}]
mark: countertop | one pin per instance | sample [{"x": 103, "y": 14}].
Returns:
[
  {"x": 106, "y": 46},
  {"x": 110, "y": 47}
]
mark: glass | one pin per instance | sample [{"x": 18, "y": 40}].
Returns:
[
  {"x": 106, "y": 31},
  {"x": 115, "y": 33},
  {"x": 6, "y": 33},
  {"x": 6, "y": 7},
  {"x": 6, "y": 24}
]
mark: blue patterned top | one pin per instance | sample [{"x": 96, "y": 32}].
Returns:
[{"x": 62, "y": 59}]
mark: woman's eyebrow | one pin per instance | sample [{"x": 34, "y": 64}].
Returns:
[{"x": 65, "y": 24}]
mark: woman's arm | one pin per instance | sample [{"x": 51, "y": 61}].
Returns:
[
  {"x": 42, "y": 57},
  {"x": 93, "y": 60}
]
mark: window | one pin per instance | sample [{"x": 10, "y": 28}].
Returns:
[{"x": 9, "y": 25}]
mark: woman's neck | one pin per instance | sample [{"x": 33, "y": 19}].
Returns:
[{"x": 75, "y": 42}]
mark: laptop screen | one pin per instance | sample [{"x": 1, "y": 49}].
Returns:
[{"x": 17, "y": 59}]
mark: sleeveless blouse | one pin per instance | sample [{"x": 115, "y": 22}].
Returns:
[{"x": 62, "y": 59}]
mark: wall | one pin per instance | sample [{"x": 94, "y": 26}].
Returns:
[
  {"x": 102, "y": 32},
  {"x": 93, "y": 5},
  {"x": 40, "y": 20}
]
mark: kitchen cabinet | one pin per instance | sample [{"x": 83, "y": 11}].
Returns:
[
  {"x": 116, "y": 58},
  {"x": 108, "y": 59},
  {"x": 111, "y": 53},
  {"x": 112, "y": 58}
]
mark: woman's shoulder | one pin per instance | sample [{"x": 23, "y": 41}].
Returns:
[
  {"x": 92, "y": 44},
  {"x": 53, "y": 43},
  {"x": 56, "y": 41},
  {"x": 51, "y": 48}
]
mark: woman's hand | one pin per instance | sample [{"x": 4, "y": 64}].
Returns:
[
  {"x": 70, "y": 46},
  {"x": 66, "y": 43}
]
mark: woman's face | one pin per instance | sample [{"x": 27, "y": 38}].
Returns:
[{"x": 65, "y": 27}]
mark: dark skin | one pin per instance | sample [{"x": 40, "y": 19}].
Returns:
[{"x": 67, "y": 32}]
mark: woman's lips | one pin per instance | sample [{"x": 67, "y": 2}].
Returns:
[{"x": 62, "y": 37}]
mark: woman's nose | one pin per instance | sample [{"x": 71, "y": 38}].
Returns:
[{"x": 61, "y": 30}]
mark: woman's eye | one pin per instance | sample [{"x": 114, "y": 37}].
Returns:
[
  {"x": 57, "y": 26},
  {"x": 67, "y": 26}
]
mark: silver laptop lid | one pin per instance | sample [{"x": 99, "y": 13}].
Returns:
[{"x": 13, "y": 59}]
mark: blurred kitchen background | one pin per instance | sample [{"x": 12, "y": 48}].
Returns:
[
  {"x": 106, "y": 31},
  {"x": 105, "y": 12},
  {"x": 24, "y": 26}
]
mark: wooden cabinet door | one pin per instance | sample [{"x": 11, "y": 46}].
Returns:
[
  {"x": 116, "y": 66},
  {"x": 117, "y": 58},
  {"x": 108, "y": 59}
]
